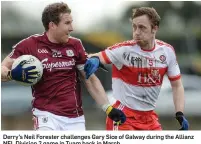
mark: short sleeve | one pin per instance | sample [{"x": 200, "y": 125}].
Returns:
[
  {"x": 113, "y": 55},
  {"x": 173, "y": 66},
  {"x": 82, "y": 56},
  {"x": 19, "y": 49}
]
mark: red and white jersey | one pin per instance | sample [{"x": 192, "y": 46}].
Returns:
[{"x": 137, "y": 75}]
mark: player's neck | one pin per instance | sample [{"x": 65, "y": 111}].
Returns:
[
  {"x": 149, "y": 46},
  {"x": 51, "y": 37}
]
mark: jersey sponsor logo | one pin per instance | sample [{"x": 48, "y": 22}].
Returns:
[
  {"x": 42, "y": 51},
  {"x": 151, "y": 77},
  {"x": 57, "y": 65},
  {"x": 137, "y": 60},
  {"x": 69, "y": 53},
  {"x": 133, "y": 60}
]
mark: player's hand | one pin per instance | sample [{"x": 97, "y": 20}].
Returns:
[
  {"x": 182, "y": 121},
  {"x": 91, "y": 66},
  {"x": 116, "y": 115},
  {"x": 23, "y": 74}
]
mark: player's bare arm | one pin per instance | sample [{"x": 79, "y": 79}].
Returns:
[
  {"x": 97, "y": 91},
  {"x": 95, "y": 88},
  {"x": 5, "y": 68},
  {"x": 178, "y": 95},
  {"x": 178, "y": 98}
]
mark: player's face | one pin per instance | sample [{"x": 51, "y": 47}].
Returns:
[
  {"x": 142, "y": 30},
  {"x": 64, "y": 27}
]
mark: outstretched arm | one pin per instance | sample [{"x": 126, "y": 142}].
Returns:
[
  {"x": 97, "y": 91},
  {"x": 178, "y": 98},
  {"x": 94, "y": 62}
]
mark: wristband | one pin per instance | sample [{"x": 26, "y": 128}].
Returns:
[{"x": 105, "y": 106}]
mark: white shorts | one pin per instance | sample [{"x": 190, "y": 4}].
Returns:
[{"x": 44, "y": 120}]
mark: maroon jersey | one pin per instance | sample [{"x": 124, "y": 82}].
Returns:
[{"x": 59, "y": 89}]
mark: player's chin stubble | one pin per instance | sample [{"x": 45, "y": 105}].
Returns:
[{"x": 142, "y": 43}]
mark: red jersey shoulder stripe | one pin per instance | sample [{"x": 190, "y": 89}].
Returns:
[
  {"x": 159, "y": 42},
  {"x": 105, "y": 57},
  {"x": 125, "y": 43}
]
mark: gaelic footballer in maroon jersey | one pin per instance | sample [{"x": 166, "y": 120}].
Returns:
[
  {"x": 60, "y": 72},
  {"x": 57, "y": 103}
]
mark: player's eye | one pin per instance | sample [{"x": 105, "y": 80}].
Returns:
[
  {"x": 141, "y": 27},
  {"x": 68, "y": 22},
  {"x": 134, "y": 27}
]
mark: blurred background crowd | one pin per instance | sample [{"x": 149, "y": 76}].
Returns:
[{"x": 100, "y": 24}]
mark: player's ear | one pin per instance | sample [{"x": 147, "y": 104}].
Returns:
[
  {"x": 52, "y": 25},
  {"x": 154, "y": 29}
]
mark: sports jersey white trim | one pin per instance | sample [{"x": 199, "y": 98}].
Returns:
[
  {"x": 80, "y": 67},
  {"x": 13, "y": 47},
  {"x": 34, "y": 35}
]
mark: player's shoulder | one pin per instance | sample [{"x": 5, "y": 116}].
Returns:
[
  {"x": 123, "y": 44},
  {"x": 29, "y": 40},
  {"x": 35, "y": 37},
  {"x": 74, "y": 40},
  {"x": 164, "y": 44},
  {"x": 76, "y": 43}
]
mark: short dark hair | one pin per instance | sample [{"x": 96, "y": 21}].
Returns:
[
  {"x": 51, "y": 13},
  {"x": 150, "y": 12}
]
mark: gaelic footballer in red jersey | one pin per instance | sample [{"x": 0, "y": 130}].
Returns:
[
  {"x": 57, "y": 102},
  {"x": 138, "y": 68}
]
